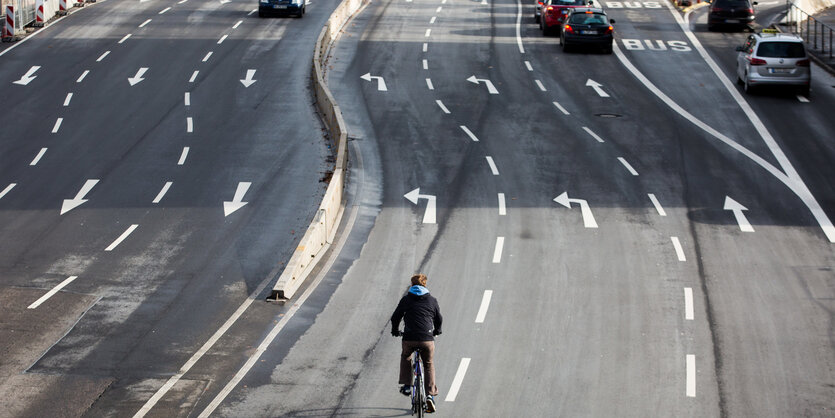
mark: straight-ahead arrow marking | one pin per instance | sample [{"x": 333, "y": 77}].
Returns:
[
  {"x": 28, "y": 77},
  {"x": 737, "y": 208},
  {"x": 597, "y": 88},
  {"x": 490, "y": 88},
  {"x": 588, "y": 217},
  {"x": 78, "y": 200},
  {"x": 248, "y": 81},
  {"x": 414, "y": 196},
  {"x": 381, "y": 84},
  {"x": 138, "y": 77},
  {"x": 237, "y": 201}
]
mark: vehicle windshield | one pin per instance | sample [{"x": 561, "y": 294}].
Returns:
[
  {"x": 588, "y": 19},
  {"x": 732, "y": 4},
  {"x": 781, "y": 50},
  {"x": 569, "y": 2}
]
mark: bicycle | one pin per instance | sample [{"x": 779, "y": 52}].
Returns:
[{"x": 418, "y": 388}]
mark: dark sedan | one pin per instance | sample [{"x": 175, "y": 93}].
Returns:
[
  {"x": 730, "y": 13},
  {"x": 281, "y": 7},
  {"x": 588, "y": 27}
]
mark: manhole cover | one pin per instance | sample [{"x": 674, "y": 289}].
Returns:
[{"x": 608, "y": 115}]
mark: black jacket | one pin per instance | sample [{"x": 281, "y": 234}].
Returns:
[{"x": 421, "y": 316}]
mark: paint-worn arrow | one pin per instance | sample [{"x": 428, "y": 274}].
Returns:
[
  {"x": 381, "y": 84},
  {"x": 737, "y": 208},
  {"x": 138, "y": 77},
  {"x": 78, "y": 200},
  {"x": 588, "y": 218},
  {"x": 237, "y": 201},
  {"x": 429, "y": 215},
  {"x": 248, "y": 81},
  {"x": 490, "y": 87},
  {"x": 597, "y": 88},
  {"x": 28, "y": 77}
]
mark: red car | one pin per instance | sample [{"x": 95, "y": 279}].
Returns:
[{"x": 554, "y": 13}]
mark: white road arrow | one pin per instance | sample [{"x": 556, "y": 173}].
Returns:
[
  {"x": 597, "y": 88},
  {"x": 138, "y": 77},
  {"x": 29, "y": 76},
  {"x": 381, "y": 84},
  {"x": 78, "y": 200},
  {"x": 737, "y": 209},
  {"x": 588, "y": 218},
  {"x": 429, "y": 215},
  {"x": 248, "y": 81},
  {"x": 490, "y": 87},
  {"x": 236, "y": 203}
]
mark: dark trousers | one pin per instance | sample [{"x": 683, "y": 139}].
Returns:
[{"x": 427, "y": 352}]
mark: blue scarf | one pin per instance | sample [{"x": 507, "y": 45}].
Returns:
[{"x": 418, "y": 290}]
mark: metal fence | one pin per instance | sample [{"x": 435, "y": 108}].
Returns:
[{"x": 818, "y": 35}]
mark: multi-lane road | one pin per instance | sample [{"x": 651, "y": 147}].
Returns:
[{"x": 607, "y": 235}]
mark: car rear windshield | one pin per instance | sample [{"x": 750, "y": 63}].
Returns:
[
  {"x": 569, "y": 2},
  {"x": 781, "y": 50},
  {"x": 589, "y": 19},
  {"x": 731, "y": 4}
]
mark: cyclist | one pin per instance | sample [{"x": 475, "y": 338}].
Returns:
[{"x": 422, "y": 321}]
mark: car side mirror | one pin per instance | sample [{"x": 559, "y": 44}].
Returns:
[
  {"x": 740, "y": 48},
  {"x": 755, "y": 3},
  {"x": 612, "y": 21}
]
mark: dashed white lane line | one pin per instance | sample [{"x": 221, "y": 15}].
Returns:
[
  {"x": 802, "y": 99},
  {"x": 432, "y": 21},
  {"x": 187, "y": 99},
  {"x": 469, "y": 133},
  {"x": 458, "y": 380},
  {"x": 163, "y": 191},
  {"x": 497, "y": 252},
  {"x": 81, "y": 77},
  {"x": 52, "y": 292},
  {"x": 443, "y": 1},
  {"x": 252, "y": 12},
  {"x": 67, "y": 100},
  {"x": 122, "y": 237},
  {"x": 57, "y": 125},
  {"x": 182, "y": 1},
  {"x": 691, "y": 376},
  {"x": 425, "y": 64},
  {"x": 519, "y": 26},
  {"x": 428, "y": 32},
  {"x": 679, "y": 250},
  {"x": 237, "y": 24},
  {"x": 164, "y": 10},
  {"x": 193, "y": 76},
  {"x": 441, "y": 105},
  {"x": 106, "y": 53},
  {"x": 492, "y": 164},
  {"x": 688, "y": 303},
  {"x": 189, "y": 125},
  {"x": 206, "y": 58},
  {"x": 429, "y": 84},
  {"x": 438, "y": 10},
  {"x": 7, "y": 189},
  {"x": 183, "y": 156},
  {"x": 539, "y": 84},
  {"x": 528, "y": 65},
  {"x": 628, "y": 166},
  {"x": 222, "y": 38},
  {"x": 121, "y": 41},
  {"x": 145, "y": 23},
  {"x": 425, "y": 46},
  {"x": 657, "y": 204},
  {"x": 593, "y": 135},
  {"x": 502, "y": 205},
  {"x": 485, "y": 304},
  {"x": 562, "y": 109},
  {"x": 38, "y": 157}
]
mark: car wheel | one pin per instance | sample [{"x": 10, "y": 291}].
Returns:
[
  {"x": 608, "y": 49},
  {"x": 563, "y": 45},
  {"x": 711, "y": 28},
  {"x": 536, "y": 19},
  {"x": 804, "y": 91},
  {"x": 261, "y": 14},
  {"x": 301, "y": 13},
  {"x": 747, "y": 86}
]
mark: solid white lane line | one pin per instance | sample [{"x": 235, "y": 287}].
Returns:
[
  {"x": 657, "y": 204},
  {"x": 57, "y": 125},
  {"x": 52, "y": 292},
  {"x": 539, "y": 84},
  {"x": 441, "y": 105},
  {"x": 429, "y": 84},
  {"x": 528, "y": 65},
  {"x": 593, "y": 135},
  {"x": 189, "y": 125},
  {"x": 145, "y": 23},
  {"x": 691, "y": 376},
  {"x": 206, "y": 58},
  {"x": 628, "y": 166},
  {"x": 81, "y": 78},
  {"x": 428, "y": 32},
  {"x": 121, "y": 238},
  {"x": 106, "y": 53},
  {"x": 519, "y": 26},
  {"x": 187, "y": 99},
  {"x": 502, "y": 206},
  {"x": 469, "y": 133},
  {"x": 425, "y": 46},
  {"x": 7, "y": 189},
  {"x": 497, "y": 252},
  {"x": 485, "y": 304},
  {"x": 562, "y": 109},
  {"x": 165, "y": 10},
  {"x": 193, "y": 77},
  {"x": 492, "y": 166},
  {"x": 802, "y": 99},
  {"x": 679, "y": 250},
  {"x": 125, "y": 38},
  {"x": 425, "y": 64},
  {"x": 67, "y": 100},
  {"x": 459, "y": 378},
  {"x": 222, "y": 38},
  {"x": 183, "y": 156},
  {"x": 237, "y": 24},
  {"x": 38, "y": 157},
  {"x": 688, "y": 303},
  {"x": 163, "y": 191},
  {"x": 432, "y": 21}
]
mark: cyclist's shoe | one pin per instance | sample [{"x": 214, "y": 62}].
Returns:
[
  {"x": 406, "y": 390},
  {"x": 430, "y": 404}
]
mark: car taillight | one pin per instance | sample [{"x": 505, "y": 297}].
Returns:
[
  {"x": 750, "y": 11},
  {"x": 609, "y": 30},
  {"x": 569, "y": 29},
  {"x": 756, "y": 61},
  {"x": 550, "y": 8},
  {"x": 803, "y": 63},
  {"x": 541, "y": 3}
]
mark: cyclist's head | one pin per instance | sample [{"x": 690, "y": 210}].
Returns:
[{"x": 419, "y": 280}]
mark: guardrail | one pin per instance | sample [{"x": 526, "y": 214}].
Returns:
[
  {"x": 818, "y": 35},
  {"x": 321, "y": 232}
]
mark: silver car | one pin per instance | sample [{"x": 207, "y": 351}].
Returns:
[{"x": 771, "y": 58}]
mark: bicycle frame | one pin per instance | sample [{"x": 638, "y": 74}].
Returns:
[{"x": 418, "y": 387}]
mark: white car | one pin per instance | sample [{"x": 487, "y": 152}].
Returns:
[{"x": 771, "y": 58}]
